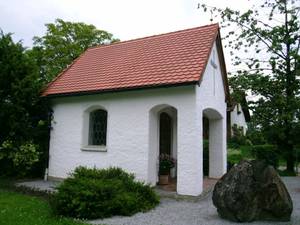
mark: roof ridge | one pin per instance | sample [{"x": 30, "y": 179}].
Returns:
[{"x": 152, "y": 36}]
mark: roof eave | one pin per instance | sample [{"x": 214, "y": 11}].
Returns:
[
  {"x": 223, "y": 66},
  {"x": 217, "y": 39},
  {"x": 93, "y": 92}
]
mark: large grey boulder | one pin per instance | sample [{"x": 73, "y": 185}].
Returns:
[{"x": 250, "y": 191}]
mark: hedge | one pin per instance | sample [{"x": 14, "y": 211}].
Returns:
[{"x": 267, "y": 153}]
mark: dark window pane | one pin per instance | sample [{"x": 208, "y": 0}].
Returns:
[{"x": 97, "y": 127}]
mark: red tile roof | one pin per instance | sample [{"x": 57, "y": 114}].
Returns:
[{"x": 167, "y": 59}]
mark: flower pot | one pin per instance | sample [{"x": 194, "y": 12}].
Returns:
[{"x": 163, "y": 179}]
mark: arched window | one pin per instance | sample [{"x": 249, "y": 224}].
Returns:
[{"x": 97, "y": 127}]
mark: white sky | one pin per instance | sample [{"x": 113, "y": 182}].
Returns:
[{"x": 125, "y": 19}]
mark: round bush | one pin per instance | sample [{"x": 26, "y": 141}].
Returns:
[{"x": 95, "y": 193}]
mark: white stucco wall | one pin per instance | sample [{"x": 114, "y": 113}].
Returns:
[
  {"x": 238, "y": 118},
  {"x": 132, "y": 131},
  {"x": 127, "y": 129},
  {"x": 211, "y": 102}
]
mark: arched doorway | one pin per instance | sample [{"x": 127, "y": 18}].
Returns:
[
  {"x": 162, "y": 140},
  {"x": 205, "y": 122},
  {"x": 213, "y": 143}
]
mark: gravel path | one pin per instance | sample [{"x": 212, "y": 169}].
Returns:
[
  {"x": 39, "y": 185},
  {"x": 201, "y": 212}
]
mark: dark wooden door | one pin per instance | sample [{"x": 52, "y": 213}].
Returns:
[{"x": 165, "y": 134}]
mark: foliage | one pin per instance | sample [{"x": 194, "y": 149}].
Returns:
[
  {"x": 238, "y": 138},
  {"x": 18, "y": 88},
  {"x": 268, "y": 153},
  {"x": 264, "y": 43},
  {"x": 255, "y": 135},
  {"x": 64, "y": 42},
  {"x": 20, "y": 108},
  {"x": 246, "y": 152},
  {"x": 166, "y": 163},
  {"x": 94, "y": 193},
  {"x": 237, "y": 131},
  {"x": 23, "y": 157},
  {"x": 24, "y": 116},
  {"x": 18, "y": 209}
]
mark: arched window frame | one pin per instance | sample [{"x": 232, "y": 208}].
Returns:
[{"x": 87, "y": 143}]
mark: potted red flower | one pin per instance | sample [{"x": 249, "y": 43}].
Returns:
[{"x": 166, "y": 162}]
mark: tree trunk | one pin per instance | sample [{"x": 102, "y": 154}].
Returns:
[
  {"x": 290, "y": 96},
  {"x": 290, "y": 161}
]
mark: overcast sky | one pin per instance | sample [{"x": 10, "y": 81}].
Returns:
[{"x": 126, "y": 19}]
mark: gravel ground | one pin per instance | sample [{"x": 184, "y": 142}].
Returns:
[
  {"x": 200, "y": 212},
  {"x": 39, "y": 185}
]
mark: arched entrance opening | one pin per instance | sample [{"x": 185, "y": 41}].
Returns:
[
  {"x": 213, "y": 143},
  {"x": 205, "y": 122},
  {"x": 162, "y": 143}
]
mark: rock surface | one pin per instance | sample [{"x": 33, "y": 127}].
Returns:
[{"x": 250, "y": 191}]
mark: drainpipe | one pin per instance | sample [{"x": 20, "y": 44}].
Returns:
[{"x": 46, "y": 174}]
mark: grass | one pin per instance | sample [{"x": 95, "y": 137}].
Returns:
[{"x": 20, "y": 209}]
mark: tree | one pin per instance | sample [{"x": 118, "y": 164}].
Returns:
[
  {"x": 24, "y": 116},
  {"x": 18, "y": 85},
  {"x": 266, "y": 48},
  {"x": 20, "y": 108},
  {"x": 63, "y": 43}
]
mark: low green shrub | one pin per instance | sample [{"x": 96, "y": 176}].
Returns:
[
  {"x": 99, "y": 193},
  {"x": 267, "y": 153}
]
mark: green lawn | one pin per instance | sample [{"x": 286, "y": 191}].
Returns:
[{"x": 20, "y": 209}]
